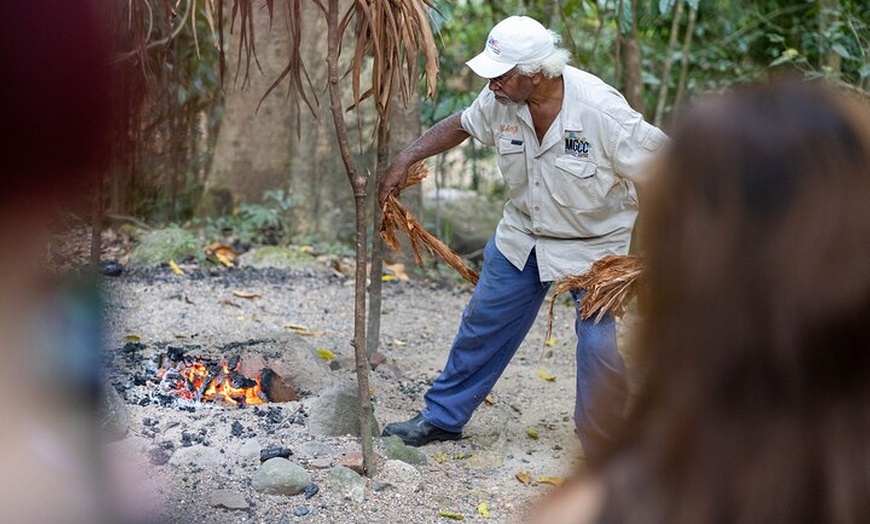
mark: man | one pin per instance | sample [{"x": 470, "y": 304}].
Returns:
[{"x": 570, "y": 149}]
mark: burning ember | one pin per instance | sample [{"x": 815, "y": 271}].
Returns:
[{"x": 219, "y": 382}]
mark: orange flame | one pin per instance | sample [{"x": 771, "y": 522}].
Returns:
[{"x": 220, "y": 389}]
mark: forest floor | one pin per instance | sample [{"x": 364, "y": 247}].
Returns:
[{"x": 517, "y": 447}]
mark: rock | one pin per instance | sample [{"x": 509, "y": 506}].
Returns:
[
  {"x": 278, "y": 257},
  {"x": 321, "y": 463},
  {"x": 159, "y": 456},
  {"x": 395, "y": 449},
  {"x": 203, "y": 456},
  {"x": 229, "y": 499},
  {"x": 314, "y": 449},
  {"x": 336, "y": 413},
  {"x": 250, "y": 450},
  {"x": 115, "y": 416},
  {"x": 347, "y": 483},
  {"x": 279, "y": 476},
  {"x": 290, "y": 356},
  {"x": 403, "y": 476},
  {"x": 161, "y": 245},
  {"x": 353, "y": 461}
]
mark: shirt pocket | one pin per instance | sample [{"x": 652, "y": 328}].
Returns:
[
  {"x": 512, "y": 161},
  {"x": 578, "y": 184}
]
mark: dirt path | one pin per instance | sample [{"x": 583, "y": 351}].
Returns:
[{"x": 159, "y": 309}]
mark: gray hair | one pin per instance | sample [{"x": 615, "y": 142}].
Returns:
[{"x": 552, "y": 65}]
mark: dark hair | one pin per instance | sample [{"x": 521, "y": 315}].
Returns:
[
  {"x": 755, "y": 405},
  {"x": 55, "y": 98}
]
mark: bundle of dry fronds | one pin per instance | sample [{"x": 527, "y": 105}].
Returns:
[
  {"x": 397, "y": 217},
  {"x": 610, "y": 284}
]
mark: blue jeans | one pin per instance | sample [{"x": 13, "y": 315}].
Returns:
[{"x": 500, "y": 313}]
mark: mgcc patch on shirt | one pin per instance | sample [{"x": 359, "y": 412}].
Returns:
[{"x": 576, "y": 145}]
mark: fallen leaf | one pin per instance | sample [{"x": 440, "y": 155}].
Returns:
[
  {"x": 546, "y": 375},
  {"x": 325, "y": 353},
  {"x": 550, "y": 342},
  {"x": 451, "y": 515},
  {"x": 294, "y": 327},
  {"x": 489, "y": 400},
  {"x": 400, "y": 343},
  {"x": 308, "y": 250},
  {"x": 245, "y": 294},
  {"x": 398, "y": 271},
  {"x": 132, "y": 338},
  {"x": 174, "y": 267},
  {"x": 532, "y": 432},
  {"x": 483, "y": 509},
  {"x": 554, "y": 481},
  {"x": 224, "y": 259},
  {"x": 387, "y": 278},
  {"x": 523, "y": 477},
  {"x": 440, "y": 457},
  {"x": 461, "y": 456},
  {"x": 228, "y": 302}
]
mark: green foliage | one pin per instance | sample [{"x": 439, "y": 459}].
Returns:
[
  {"x": 162, "y": 245},
  {"x": 265, "y": 223}
]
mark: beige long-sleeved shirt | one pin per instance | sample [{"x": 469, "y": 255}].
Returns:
[{"x": 572, "y": 196}]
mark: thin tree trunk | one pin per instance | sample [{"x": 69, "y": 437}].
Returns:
[
  {"x": 616, "y": 52},
  {"x": 632, "y": 64},
  {"x": 684, "y": 60},
  {"x": 358, "y": 183},
  {"x": 376, "y": 284},
  {"x": 832, "y": 62},
  {"x": 669, "y": 60}
]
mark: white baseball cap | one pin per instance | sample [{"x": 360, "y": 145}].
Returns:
[{"x": 514, "y": 40}]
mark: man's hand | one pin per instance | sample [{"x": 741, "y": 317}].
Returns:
[{"x": 393, "y": 180}]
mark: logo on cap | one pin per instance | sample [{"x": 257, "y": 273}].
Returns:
[{"x": 493, "y": 45}]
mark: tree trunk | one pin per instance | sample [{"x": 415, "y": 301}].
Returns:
[
  {"x": 632, "y": 64},
  {"x": 669, "y": 60},
  {"x": 358, "y": 183},
  {"x": 832, "y": 62},
  {"x": 684, "y": 60},
  {"x": 283, "y": 145}
]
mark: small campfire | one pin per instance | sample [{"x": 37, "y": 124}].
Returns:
[{"x": 219, "y": 382}]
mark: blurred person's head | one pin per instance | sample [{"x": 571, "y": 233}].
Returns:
[
  {"x": 54, "y": 94},
  {"x": 756, "y": 343}
]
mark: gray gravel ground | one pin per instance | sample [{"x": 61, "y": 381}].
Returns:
[{"x": 200, "y": 310}]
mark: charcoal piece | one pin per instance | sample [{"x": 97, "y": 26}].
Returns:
[
  {"x": 159, "y": 456},
  {"x": 310, "y": 490},
  {"x": 239, "y": 381},
  {"x": 233, "y": 363},
  {"x": 275, "y": 451},
  {"x": 175, "y": 354},
  {"x": 237, "y": 429},
  {"x": 111, "y": 268},
  {"x": 133, "y": 347}
]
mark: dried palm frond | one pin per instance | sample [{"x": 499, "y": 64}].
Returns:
[
  {"x": 397, "y": 217},
  {"x": 610, "y": 284}
]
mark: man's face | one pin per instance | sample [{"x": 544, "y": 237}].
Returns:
[{"x": 509, "y": 87}]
